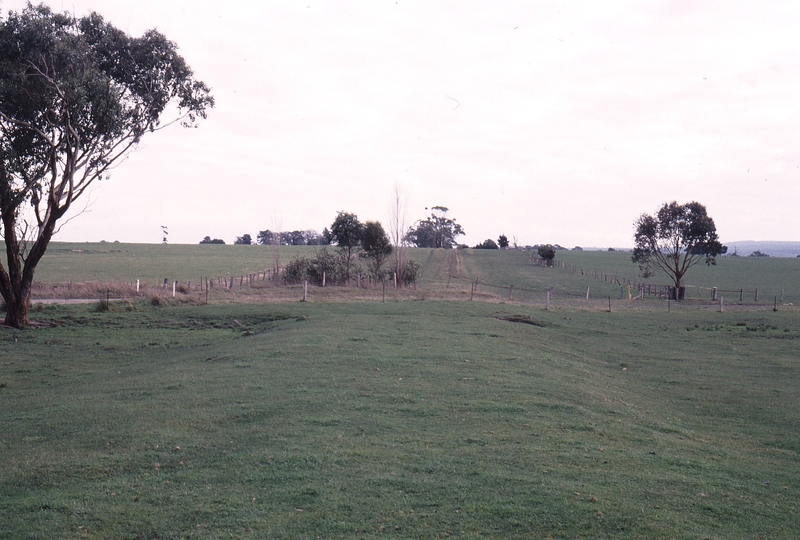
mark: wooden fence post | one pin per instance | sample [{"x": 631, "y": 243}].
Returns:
[
  {"x": 756, "y": 295},
  {"x": 547, "y": 305},
  {"x": 305, "y": 290},
  {"x": 587, "y": 293},
  {"x": 721, "y": 303},
  {"x": 713, "y": 294}
]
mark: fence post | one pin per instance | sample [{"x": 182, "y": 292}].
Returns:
[
  {"x": 587, "y": 293},
  {"x": 137, "y": 290},
  {"x": 713, "y": 294},
  {"x": 323, "y": 280},
  {"x": 305, "y": 290},
  {"x": 174, "y": 283},
  {"x": 781, "y": 296},
  {"x": 756, "y": 295},
  {"x": 721, "y": 303},
  {"x": 547, "y": 305}
]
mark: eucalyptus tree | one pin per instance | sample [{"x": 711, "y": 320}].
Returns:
[
  {"x": 436, "y": 231},
  {"x": 76, "y": 95},
  {"x": 676, "y": 238}
]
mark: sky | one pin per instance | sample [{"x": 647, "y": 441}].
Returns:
[{"x": 549, "y": 122}]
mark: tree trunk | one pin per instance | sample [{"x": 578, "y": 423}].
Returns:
[
  {"x": 16, "y": 283},
  {"x": 17, "y": 312}
]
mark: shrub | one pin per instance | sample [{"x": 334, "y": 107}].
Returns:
[{"x": 410, "y": 273}]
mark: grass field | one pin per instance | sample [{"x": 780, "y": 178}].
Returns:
[
  {"x": 152, "y": 263},
  {"x": 423, "y": 418}
]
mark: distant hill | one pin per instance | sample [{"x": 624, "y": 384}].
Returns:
[{"x": 773, "y": 249}]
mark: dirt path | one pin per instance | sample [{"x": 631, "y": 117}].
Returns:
[{"x": 455, "y": 261}]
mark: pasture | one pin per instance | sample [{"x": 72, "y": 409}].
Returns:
[{"x": 424, "y": 416}]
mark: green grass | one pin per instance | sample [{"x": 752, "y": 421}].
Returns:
[
  {"x": 495, "y": 270},
  {"x": 414, "y": 419},
  {"x": 152, "y": 263}
]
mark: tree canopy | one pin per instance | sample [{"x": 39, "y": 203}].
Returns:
[
  {"x": 487, "y": 244},
  {"x": 346, "y": 232},
  {"x": 436, "y": 231},
  {"x": 376, "y": 245},
  {"x": 676, "y": 238},
  {"x": 209, "y": 240},
  {"x": 76, "y": 94},
  {"x": 547, "y": 252}
]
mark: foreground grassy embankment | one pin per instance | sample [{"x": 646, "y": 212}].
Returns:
[{"x": 418, "y": 419}]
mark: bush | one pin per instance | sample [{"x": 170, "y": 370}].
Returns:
[
  {"x": 332, "y": 265},
  {"x": 410, "y": 273}
]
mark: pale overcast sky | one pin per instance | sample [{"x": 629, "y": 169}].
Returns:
[{"x": 554, "y": 122}]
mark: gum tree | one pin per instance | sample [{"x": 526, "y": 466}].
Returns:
[
  {"x": 676, "y": 238},
  {"x": 437, "y": 231},
  {"x": 76, "y": 95}
]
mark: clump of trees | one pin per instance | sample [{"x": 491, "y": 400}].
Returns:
[
  {"x": 368, "y": 241},
  {"x": 487, "y": 244},
  {"x": 209, "y": 240},
  {"x": 308, "y": 237},
  {"x": 435, "y": 231},
  {"x": 76, "y": 95},
  {"x": 244, "y": 240},
  {"x": 324, "y": 265},
  {"x": 675, "y": 238}
]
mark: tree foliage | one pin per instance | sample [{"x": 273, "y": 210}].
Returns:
[
  {"x": 209, "y": 240},
  {"x": 244, "y": 240},
  {"x": 502, "y": 242},
  {"x": 676, "y": 238},
  {"x": 547, "y": 252},
  {"x": 436, "y": 231},
  {"x": 487, "y": 244},
  {"x": 76, "y": 94},
  {"x": 376, "y": 247},
  {"x": 346, "y": 232},
  {"x": 308, "y": 237},
  {"x": 324, "y": 263}
]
